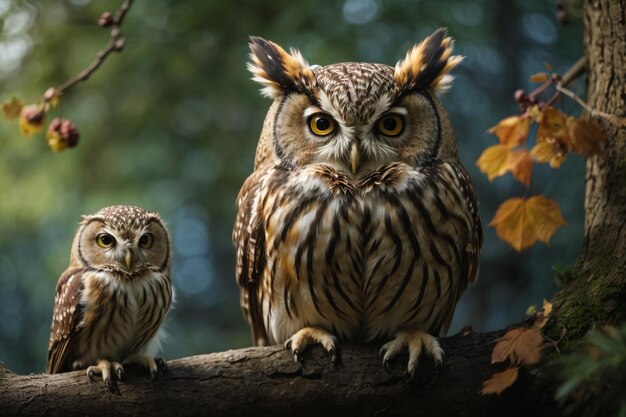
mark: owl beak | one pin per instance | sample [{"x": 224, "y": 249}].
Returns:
[
  {"x": 355, "y": 157},
  {"x": 128, "y": 259}
]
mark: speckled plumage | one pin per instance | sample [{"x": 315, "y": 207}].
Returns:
[
  {"x": 356, "y": 234},
  {"x": 111, "y": 301}
]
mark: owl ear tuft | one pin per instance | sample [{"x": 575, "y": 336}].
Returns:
[
  {"x": 278, "y": 70},
  {"x": 427, "y": 64}
]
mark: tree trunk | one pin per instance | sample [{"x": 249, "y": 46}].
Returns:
[
  {"x": 258, "y": 381},
  {"x": 596, "y": 286}
]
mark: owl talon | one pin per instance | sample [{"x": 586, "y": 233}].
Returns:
[
  {"x": 310, "y": 335},
  {"x": 161, "y": 364},
  {"x": 333, "y": 357},
  {"x": 387, "y": 365},
  {"x": 109, "y": 384},
  {"x": 415, "y": 341},
  {"x": 296, "y": 357}
]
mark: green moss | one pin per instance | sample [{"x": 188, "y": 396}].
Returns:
[{"x": 587, "y": 300}]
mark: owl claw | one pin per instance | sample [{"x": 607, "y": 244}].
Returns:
[
  {"x": 161, "y": 364},
  {"x": 310, "y": 335},
  {"x": 415, "y": 341},
  {"x": 333, "y": 357},
  {"x": 296, "y": 357},
  {"x": 109, "y": 384},
  {"x": 103, "y": 367},
  {"x": 152, "y": 364}
]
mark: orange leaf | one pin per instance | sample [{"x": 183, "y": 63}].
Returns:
[
  {"x": 528, "y": 347},
  {"x": 12, "y": 109},
  {"x": 511, "y": 131},
  {"x": 521, "y": 346},
  {"x": 586, "y": 137},
  {"x": 493, "y": 161},
  {"x": 540, "y": 77},
  {"x": 504, "y": 347},
  {"x": 521, "y": 222},
  {"x": 549, "y": 151},
  {"x": 553, "y": 127},
  {"x": 500, "y": 381},
  {"x": 521, "y": 165}
]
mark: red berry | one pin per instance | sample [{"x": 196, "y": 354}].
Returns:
[
  {"x": 520, "y": 96},
  {"x": 105, "y": 20}
]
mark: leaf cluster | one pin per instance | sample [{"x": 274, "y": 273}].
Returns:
[
  {"x": 520, "y": 346},
  {"x": 521, "y": 222}
]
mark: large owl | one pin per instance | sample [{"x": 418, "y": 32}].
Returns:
[
  {"x": 111, "y": 300},
  {"x": 358, "y": 223}
]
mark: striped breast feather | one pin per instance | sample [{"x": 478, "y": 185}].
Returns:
[{"x": 433, "y": 233}]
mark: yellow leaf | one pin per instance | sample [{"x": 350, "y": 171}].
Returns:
[
  {"x": 500, "y": 381},
  {"x": 586, "y": 137},
  {"x": 521, "y": 165},
  {"x": 540, "y": 77},
  {"x": 549, "y": 151},
  {"x": 544, "y": 315},
  {"x": 12, "y": 109},
  {"x": 521, "y": 222},
  {"x": 512, "y": 131},
  {"x": 534, "y": 113},
  {"x": 493, "y": 161}
]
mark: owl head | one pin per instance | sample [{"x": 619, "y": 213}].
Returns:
[
  {"x": 125, "y": 240},
  {"x": 355, "y": 116}
]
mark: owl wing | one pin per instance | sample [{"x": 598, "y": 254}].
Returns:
[
  {"x": 66, "y": 317},
  {"x": 249, "y": 240},
  {"x": 470, "y": 255}
]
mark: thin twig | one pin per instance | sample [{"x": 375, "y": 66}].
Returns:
[
  {"x": 115, "y": 44},
  {"x": 618, "y": 121},
  {"x": 575, "y": 71}
]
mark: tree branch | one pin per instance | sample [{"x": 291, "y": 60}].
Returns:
[
  {"x": 266, "y": 381},
  {"x": 115, "y": 44}
]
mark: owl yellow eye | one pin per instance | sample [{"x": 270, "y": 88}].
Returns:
[
  {"x": 391, "y": 125},
  {"x": 105, "y": 240},
  {"x": 145, "y": 241},
  {"x": 321, "y": 124}
]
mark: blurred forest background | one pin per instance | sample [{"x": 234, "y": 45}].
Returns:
[{"x": 171, "y": 125}]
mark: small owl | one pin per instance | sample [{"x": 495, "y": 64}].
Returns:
[
  {"x": 111, "y": 300},
  {"x": 358, "y": 223}
]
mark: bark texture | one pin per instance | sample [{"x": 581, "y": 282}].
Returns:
[
  {"x": 597, "y": 284},
  {"x": 266, "y": 381}
]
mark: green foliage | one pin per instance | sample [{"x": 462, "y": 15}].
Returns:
[{"x": 594, "y": 381}]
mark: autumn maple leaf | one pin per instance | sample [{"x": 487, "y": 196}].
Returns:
[
  {"x": 521, "y": 222},
  {"x": 512, "y": 131}
]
